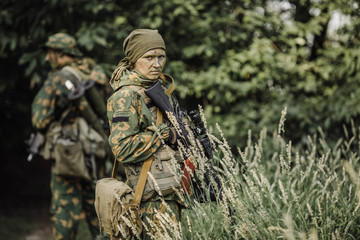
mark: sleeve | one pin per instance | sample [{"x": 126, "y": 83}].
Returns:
[
  {"x": 133, "y": 137},
  {"x": 48, "y": 102}
]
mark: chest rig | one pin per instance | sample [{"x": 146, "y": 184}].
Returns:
[{"x": 163, "y": 180}]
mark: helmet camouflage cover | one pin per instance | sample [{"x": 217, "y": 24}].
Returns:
[{"x": 64, "y": 43}]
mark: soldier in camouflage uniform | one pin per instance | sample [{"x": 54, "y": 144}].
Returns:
[
  {"x": 132, "y": 116},
  {"x": 70, "y": 197}
]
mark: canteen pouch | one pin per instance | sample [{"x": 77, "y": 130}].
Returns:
[
  {"x": 70, "y": 159},
  {"x": 162, "y": 170},
  {"x": 115, "y": 209}
]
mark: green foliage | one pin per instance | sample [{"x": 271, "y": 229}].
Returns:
[{"x": 242, "y": 60}]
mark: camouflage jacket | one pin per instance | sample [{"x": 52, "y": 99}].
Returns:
[
  {"x": 133, "y": 136},
  {"x": 51, "y": 100}
]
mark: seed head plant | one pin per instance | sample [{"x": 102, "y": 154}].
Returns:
[{"x": 274, "y": 190}]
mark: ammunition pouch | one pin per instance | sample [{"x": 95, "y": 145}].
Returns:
[
  {"x": 163, "y": 172},
  {"x": 70, "y": 159}
]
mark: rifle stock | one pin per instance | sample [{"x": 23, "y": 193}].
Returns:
[{"x": 160, "y": 99}]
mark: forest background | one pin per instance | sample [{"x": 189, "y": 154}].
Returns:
[{"x": 242, "y": 61}]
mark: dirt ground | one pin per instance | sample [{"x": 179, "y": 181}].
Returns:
[
  {"x": 27, "y": 221},
  {"x": 30, "y": 220},
  {"x": 42, "y": 230},
  {"x": 25, "y": 199},
  {"x": 40, "y": 234},
  {"x": 24, "y": 208}
]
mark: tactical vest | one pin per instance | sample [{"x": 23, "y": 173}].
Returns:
[{"x": 163, "y": 165}]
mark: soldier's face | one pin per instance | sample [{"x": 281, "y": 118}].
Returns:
[
  {"x": 151, "y": 63},
  {"x": 52, "y": 58}
]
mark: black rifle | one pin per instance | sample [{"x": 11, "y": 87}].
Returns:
[{"x": 160, "y": 99}]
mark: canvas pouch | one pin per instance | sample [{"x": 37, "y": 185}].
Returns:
[
  {"x": 117, "y": 205},
  {"x": 163, "y": 181},
  {"x": 115, "y": 209},
  {"x": 70, "y": 159}
]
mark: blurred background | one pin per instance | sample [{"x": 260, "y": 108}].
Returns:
[{"x": 242, "y": 61}]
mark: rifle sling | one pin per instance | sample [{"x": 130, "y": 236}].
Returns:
[{"x": 167, "y": 78}]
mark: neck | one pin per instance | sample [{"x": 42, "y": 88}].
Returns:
[{"x": 64, "y": 60}]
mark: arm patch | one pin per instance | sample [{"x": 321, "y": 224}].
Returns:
[{"x": 120, "y": 119}]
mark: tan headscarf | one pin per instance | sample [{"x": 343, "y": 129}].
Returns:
[{"x": 135, "y": 45}]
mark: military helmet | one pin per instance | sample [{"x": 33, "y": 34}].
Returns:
[{"x": 64, "y": 43}]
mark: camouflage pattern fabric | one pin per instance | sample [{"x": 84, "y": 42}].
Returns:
[
  {"x": 64, "y": 43},
  {"x": 148, "y": 211},
  {"x": 52, "y": 100},
  {"x": 70, "y": 198},
  {"x": 133, "y": 137}
]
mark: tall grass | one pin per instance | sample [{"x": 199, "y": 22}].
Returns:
[{"x": 273, "y": 190}]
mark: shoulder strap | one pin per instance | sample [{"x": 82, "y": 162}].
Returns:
[
  {"x": 144, "y": 170},
  {"x": 167, "y": 78},
  {"x": 142, "y": 180}
]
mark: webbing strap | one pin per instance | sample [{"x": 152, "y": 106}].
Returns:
[
  {"x": 142, "y": 180},
  {"x": 159, "y": 117},
  {"x": 167, "y": 78},
  {"x": 115, "y": 169},
  {"x": 144, "y": 170}
]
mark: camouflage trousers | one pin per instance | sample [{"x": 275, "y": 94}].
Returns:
[
  {"x": 69, "y": 198},
  {"x": 148, "y": 212}
]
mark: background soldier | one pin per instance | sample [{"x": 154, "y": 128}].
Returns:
[{"x": 58, "y": 118}]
